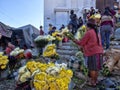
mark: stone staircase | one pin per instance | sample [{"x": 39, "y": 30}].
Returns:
[{"x": 67, "y": 50}]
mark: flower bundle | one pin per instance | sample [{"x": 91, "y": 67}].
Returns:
[
  {"x": 24, "y": 74},
  {"x": 50, "y": 51},
  {"x": 54, "y": 78},
  {"x": 57, "y": 36},
  {"x": 30, "y": 69},
  {"x": 68, "y": 34},
  {"x": 80, "y": 33},
  {"x": 46, "y": 76},
  {"x": 18, "y": 53},
  {"x": 83, "y": 67},
  {"x": 42, "y": 41},
  {"x": 3, "y": 61},
  {"x": 64, "y": 30}
]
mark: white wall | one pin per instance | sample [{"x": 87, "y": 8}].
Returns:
[{"x": 56, "y": 12}]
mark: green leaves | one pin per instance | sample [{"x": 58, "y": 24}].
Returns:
[{"x": 105, "y": 71}]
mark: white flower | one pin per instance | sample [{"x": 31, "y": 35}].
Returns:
[
  {"x": 13, "y": 53},
  {"x": 60, "y": 66},
  {"x": 16, "y": 49},
  {"x": 53, "y": 70},
  {"x": 25, "y": 76},
  {"x": 21, "y": 51},
  {"x": 22, "y": 70},
  {"x": 37, "y": 71}
]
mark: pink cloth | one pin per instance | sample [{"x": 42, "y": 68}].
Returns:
[{"x": 89, "y": 43}]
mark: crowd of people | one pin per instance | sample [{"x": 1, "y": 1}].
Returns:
[
  {"x": 105, "y": 22},
  {"x": 96, "y": 39},
  {"x": 100, "y": 26}
]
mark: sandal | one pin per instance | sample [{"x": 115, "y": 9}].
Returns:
[{"x": 91, "y": 84}]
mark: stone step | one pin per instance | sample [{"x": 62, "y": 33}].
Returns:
[
  {"x": 68, "y": 48},
  {"x": 115, "y": 42},
  {"x": 63, "y": 57},
  {"x": 66, "y": 44},
  {"x": 115, "y": 47},
  {"x": 66, "y": 52}
]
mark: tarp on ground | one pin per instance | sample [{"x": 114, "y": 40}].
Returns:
[
  {"x": 30, "y": 33},
  {"x": 117, "y": 34},
  {"x": 5, "y": 30}
]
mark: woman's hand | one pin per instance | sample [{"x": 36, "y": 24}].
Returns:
[{"x": 75, "y": 40}]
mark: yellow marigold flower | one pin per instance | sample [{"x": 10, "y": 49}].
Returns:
[
  {"x": 54, "y": 34},
  {"x": 4, "y": 57},
  {"x": 83, "y": 27},
  {"x": 46, "y": 87},
  {"x": 69, "y": 73},
  {"x": 1, "y": 55},
  {"x": 3, "y": 66},
  {"x": 62, "y": 73},
  {"x": 40, "y": 76},
  {"x": 51, "y": 64},
  {"x": 53, "y": 86},
  {"x": 37, "y": 86},
  {"x": 32, "y": 66},
  {"x": 58, "y": 38},
  {"x": 5, "y": 61}
]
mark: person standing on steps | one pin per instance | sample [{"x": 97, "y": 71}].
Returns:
[
  {"x": 106, "y": 26},
  {"x": 93, "y": 50},
  {"x": 73, "y": 21},
  {"x": 41, "y": 31}
]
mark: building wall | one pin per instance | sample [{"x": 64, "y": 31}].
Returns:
[
  {"x": 56, "y": 12},
  {"x": 101, "y": 4}
]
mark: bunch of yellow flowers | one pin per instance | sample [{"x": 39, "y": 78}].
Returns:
[
  {"x": 46, "y": 76},
  {"x": 32, "y": 66},
  {"x": 57, "y": 35},
  {"x": 30, "y": 69},
  {"x": 3, "y": 61},
  {"x": 50, "y": 51},
  {"x": 54, "y": 78}
]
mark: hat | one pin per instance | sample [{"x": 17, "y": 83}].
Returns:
[{"x": 91, "y": 21}]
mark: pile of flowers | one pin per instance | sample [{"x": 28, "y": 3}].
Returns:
[
  {"x": 50, "y": 51},
  {"x": 46, "y": 76},
  {"x": 42, "y": 41},
  {"x": 3, "y": 61},
  {"x": 18, "y": 53}
]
